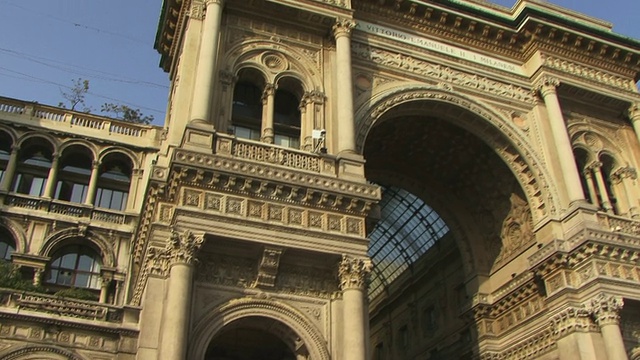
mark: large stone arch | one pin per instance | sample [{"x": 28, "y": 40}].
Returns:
[
  {"x": 496, "y": 131},
  {"x": 31, "y": 352},
  {"x": 207, "y": 327},
  {"x": 59, "y": 238}
]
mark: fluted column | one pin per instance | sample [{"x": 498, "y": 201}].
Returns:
[
  {"x": 268, "y": 101},
  {"x": 570, "y": 176},
  {"x": 634, "y": 116},
  {"x": 344, "y": 89},
  {"x": 180, "y": 251},
  {"x": 602, "y": 188},
  {"x": 204, "y": 79},
  {"x": 10, "y": 171},
  {"x": 606, "y": 309},
  {"x": 50, "y": 187},
  {"x": 93, "y": 183},
  {"x": 353, "y": 273}
]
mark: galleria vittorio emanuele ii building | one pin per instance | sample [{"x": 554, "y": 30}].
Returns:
[{"x": 337, "y": 179}]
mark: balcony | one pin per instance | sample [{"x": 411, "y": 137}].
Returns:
[
  {"x": 100, "y": 127},
  {"x": 36, "y": 304},
  {"x": 70, "y": 211}
]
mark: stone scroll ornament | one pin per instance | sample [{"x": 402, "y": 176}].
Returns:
[
  {"x": 182, "y": 247},
  {"x": 353, "y": 272}
]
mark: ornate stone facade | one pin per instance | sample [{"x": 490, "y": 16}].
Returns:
[{"x": 268, "y": 207}]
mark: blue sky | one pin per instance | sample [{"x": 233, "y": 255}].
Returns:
[{"x": 48, "y": 43}]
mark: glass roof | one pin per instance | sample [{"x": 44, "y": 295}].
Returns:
[{"x": 407, "y": 229}]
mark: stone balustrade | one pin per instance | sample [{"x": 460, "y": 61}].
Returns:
[
  {"x": 71, "y": 210},
  {"x": 49, "y": 117},
  {"x": 20, "y": 302}
]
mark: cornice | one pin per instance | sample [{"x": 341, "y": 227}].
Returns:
[
  {"x": 211, "y": 171},
  {"x": 446, "y": 23}
]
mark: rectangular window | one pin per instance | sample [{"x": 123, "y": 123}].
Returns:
[
  {"x": 111, "y": 199},
  {"x": 246, "y": 133}
]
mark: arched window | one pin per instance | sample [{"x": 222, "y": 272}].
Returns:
[
  {"x": 35, "y": 160},
  {"x": 75, "y": 266},
  {"x": 74, "y": 175},
  {"x": 114, "y": 182},
  {"x": 246, "y": 117},
  {"x": 286, "y": 119},
  {"x": 5, "y": 152},
  {"x": 7, "y": 245}
]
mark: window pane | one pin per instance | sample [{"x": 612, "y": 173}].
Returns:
[
  {"x": 85, "y": 263},
  {"x": 64, "y": 278},
  {"x": 82, "y": 280},
  {"x": 68, "y": 261}
]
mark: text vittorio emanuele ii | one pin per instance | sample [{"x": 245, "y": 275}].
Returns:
[{"x": 439, "y": 47}]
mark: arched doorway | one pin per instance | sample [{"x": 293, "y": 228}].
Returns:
[
  {"x": 458, "y": 215},
  {"x": 256, "y": 338}
]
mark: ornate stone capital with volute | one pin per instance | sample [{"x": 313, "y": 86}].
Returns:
[
  {"x": 353, "y": 272},
  {"x": 570, "y": 320},
  {"x": 343, "y": 27},
  {"x": 634, "y": 112},
  {"x": 606, "y": 309},
  {"x": 594, "y": 166},
  {"x": 182, "y": 247},
  {"x": 546, "y": 85},
  {"x": 269, "y": 90}
]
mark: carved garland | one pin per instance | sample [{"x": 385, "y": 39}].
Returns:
[{"x": 442, "y": 73}]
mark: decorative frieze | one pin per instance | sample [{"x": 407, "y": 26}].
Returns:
[
  {"x": 570, "y": 320},
  {"x": 440, "y": 73},
  {"x": 263, "y": 211},
  {"x": 589, "y": 73}
]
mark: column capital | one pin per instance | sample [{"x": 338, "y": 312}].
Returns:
[
  {"x": 571, "y": 320},
  {"x": 269, "y": 90},
  {"x": 343, "y": 27},
  {"x": 227, "y": 77},
  {"x": 546, "y": 85},
  {"x": 15, "y": 148},
  {"x": 182, "y": 247},
  {"x": 353, "y": 272},
  {"x": 606, "y": 309},
  {"x": 595, "y": 165},
  {"x": 625, "y": 172},
  {"x": 634, "y": 111}
]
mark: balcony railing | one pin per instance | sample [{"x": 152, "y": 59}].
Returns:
[
  {"x": 60, "y": 306},
  {"x": 98, "y": 126},
  {"x": 619, "y": 224},
  {"x": 71, "y": 210}
]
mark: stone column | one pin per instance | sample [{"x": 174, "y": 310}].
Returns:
[
  {"x": 344, "y": 86},
  {"x": 570, "y": 176},
  {"x": 602, "y": 188},
  {"x": 104, "y": 289},
  {"x": 136, "y": 174},
  {"x": 180, "y": 252},
  {"x": 50, "y": 187},
  {"x": 606, "y": 309},
  {"x": 624, "y": 189},
  {"x": 268, "y": 101},
  {"x": 207, "y": 58},
  {"x": 10, "y": 171},
  {"x": 93, "y": 183},
  {"x": 588, "y": 175},
  {"x": 353, "y": 274},
  {"x": 305, "y": 127},
  {"x": 634, "y": 116}
]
